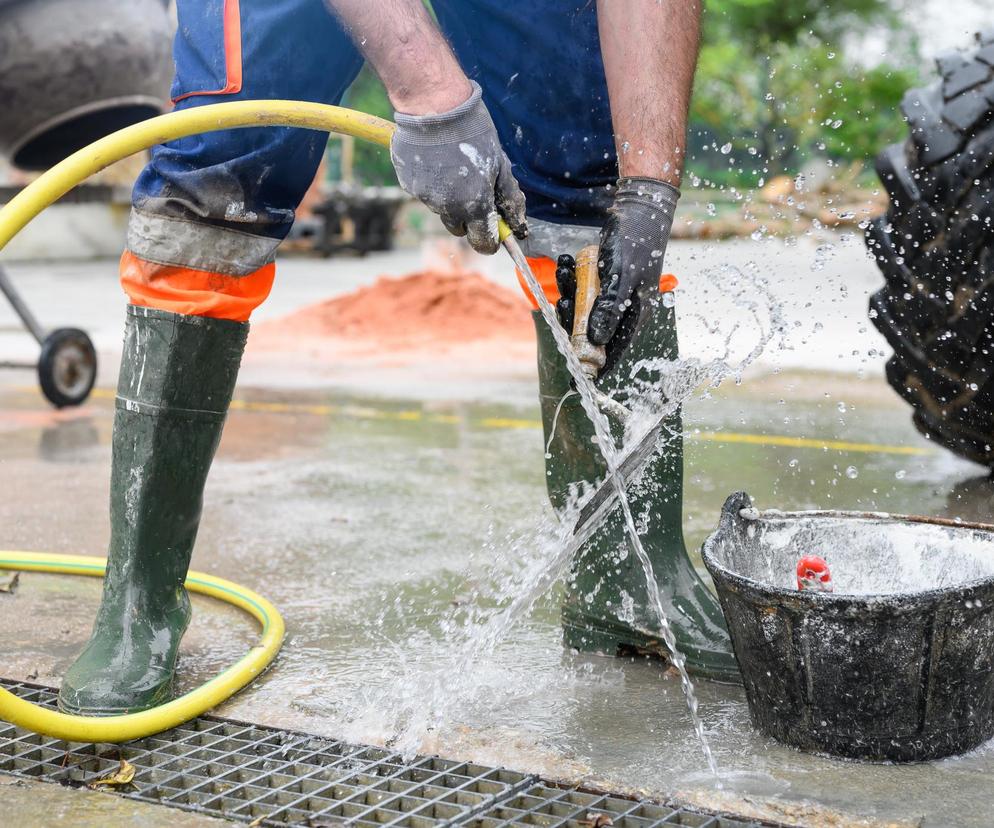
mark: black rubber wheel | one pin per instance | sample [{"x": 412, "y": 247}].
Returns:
[
  {"x": 67, "y": 367},
  {"x": 935, "y": 247}
]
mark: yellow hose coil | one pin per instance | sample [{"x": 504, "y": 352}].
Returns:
[
  {"x": 136, "y": 725},
  {"x": 27, "y": 204}
]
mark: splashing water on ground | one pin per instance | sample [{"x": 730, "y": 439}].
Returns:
[{"x": 423, "y": 700}]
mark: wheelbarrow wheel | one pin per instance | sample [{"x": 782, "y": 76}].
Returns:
[
  {"x": 67, "y": 367},
  {"x": 935, "y": 247}
]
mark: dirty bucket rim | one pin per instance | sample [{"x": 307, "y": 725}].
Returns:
[
  {"x": 770, "y": 514},
  {"x": 847, "y": 601}
]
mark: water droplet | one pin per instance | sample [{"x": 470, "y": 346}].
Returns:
[
  {"x": 852, "y": 472},
  {"x": 842, "y": 407},
  {"x": 900, "y": 474},
  {"x": 726, "y": 148},
  {"x": 668, "y": 299}
]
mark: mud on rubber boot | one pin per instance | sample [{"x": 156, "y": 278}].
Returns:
[
  {"x": 606, "y": 608},
  {"x": 177, "y": 377},
  {"x": 935, "y": 247}
]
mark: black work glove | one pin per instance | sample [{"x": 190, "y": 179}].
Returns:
[
  {"x": 633, "y": 241},
  {"x": 453, "y": 162},
  {"x": 566, "y": 282}
]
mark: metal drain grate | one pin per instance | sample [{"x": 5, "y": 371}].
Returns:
[{"x": 245, "y": 772}]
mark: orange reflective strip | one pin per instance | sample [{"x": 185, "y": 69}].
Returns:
[
  {"x": 232, "y": 54},
  {"x": 195, "y": 292},
  {"x": 545, "y": 272}
]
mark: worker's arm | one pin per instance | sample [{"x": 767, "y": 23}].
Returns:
[
  {"x": 650, "y": 50},
  {"x": 445, "y": 150}
]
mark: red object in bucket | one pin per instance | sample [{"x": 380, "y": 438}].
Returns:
[{"x": 813, "y": 573}]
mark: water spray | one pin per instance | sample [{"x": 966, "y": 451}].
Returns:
[{"x": 79, "y": 166}]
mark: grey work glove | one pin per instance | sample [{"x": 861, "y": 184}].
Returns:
[
  {"x": 633, "y": 241},
  {"x": 453, "y": 163}
]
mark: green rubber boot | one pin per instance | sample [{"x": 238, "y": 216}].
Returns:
[
  {"x": 606, "y": 609},
  {"x": 177, "y": 377}
]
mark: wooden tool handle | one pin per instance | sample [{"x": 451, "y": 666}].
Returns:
[{"x": 588, "y": 286}]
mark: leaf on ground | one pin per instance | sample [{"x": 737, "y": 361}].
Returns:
[
  {"x": 10, "y": 587},
  {"x": 597, "y": 821},
  {"x": 122, "y": 776}
]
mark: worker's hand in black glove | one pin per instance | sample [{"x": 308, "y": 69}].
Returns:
[
  {"x": 453, "y": 162},
  {"x": 566, "y": 311},
  {"x": 633, "y": 241},
  {"x": 566, "y": 282}
]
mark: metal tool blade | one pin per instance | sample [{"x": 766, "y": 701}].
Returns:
[
  {"x": 600, "y": 504},
  {"x": 604, "y": 498}
]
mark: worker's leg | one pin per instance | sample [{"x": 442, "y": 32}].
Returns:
[
  {"x": 209, "y": 211},
  {"x": 543, "y": 80},
  {"x": 606, "y": 608}
]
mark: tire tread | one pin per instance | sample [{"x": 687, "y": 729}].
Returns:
[{"x": 935, "y": 248}]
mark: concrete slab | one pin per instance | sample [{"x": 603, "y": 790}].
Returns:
[
  {"x": 40, "y": 805},
  {"x": 817, "y": 288},
  {"x": 392, "y": 527}
]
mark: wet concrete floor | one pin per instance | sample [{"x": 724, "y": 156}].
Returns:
[{"x": 372, "y": 520}]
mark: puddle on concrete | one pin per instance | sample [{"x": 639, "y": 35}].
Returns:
[{"x": 365, "y": 520}]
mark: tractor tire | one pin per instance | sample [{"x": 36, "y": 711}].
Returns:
[{"x": 935, "y": 247}]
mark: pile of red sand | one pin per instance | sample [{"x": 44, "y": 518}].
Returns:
[{"x": 427, "y": 308}]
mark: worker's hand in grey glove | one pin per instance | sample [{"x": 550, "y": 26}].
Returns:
[
  {"x": 633, "y": 241},
  {"x": 453, "y": 162}
]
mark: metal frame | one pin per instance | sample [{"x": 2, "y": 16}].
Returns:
[
  {"x": 271, "y": 777},
  {"x": 28, "y": 319}
]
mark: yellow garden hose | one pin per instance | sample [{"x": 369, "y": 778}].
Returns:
[
  {"x": 27, "y": 204},
  {"x": 79, "y": 166},
  {"x": 136, "y": 725}
]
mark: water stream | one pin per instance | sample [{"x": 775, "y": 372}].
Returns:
[
  {"x": 605, "y": 443},
  {"x": 429, "y": 693}
]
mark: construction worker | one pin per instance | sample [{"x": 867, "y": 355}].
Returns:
[{"x": 577, "y": 94}]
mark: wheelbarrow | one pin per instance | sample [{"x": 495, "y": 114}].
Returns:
[
  {"x": 895, "y": 664},
  {"x": 67, "y": 364}
]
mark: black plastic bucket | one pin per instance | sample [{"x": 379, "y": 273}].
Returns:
[{"x": 896, "y": 664}]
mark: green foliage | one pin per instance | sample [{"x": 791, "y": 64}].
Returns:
[
  {"x": 372, "y": 163},
  {"x": 774, "y": 78},
  {"x": 839, "y": 109},
  {"x": 759, "y": 23}
]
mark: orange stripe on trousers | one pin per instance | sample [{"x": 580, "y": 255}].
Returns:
[
  {"x": 545, "y": 272},
  {"x": 195, "y": 292}
]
